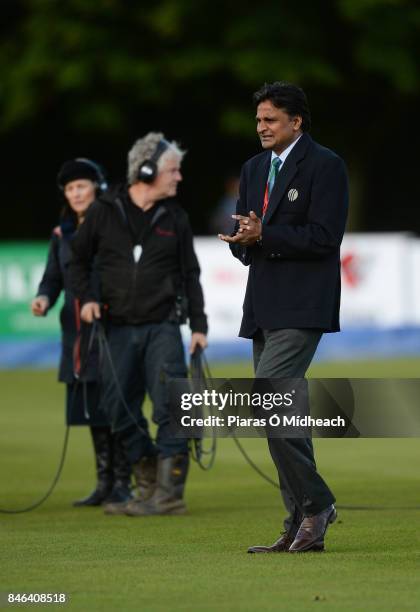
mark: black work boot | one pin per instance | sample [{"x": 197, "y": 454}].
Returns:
[
  {"x": 121, "y": 487},
  {"x": 168, "y": 496},
  {"x": 145, "y": 476},
  {"x": 102, "y": 444}
]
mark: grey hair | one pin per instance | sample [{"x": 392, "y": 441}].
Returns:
[{"x": 144, "y": 148}]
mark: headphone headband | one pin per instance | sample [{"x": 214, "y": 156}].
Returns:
[
  {"x": 81, "y": 167},
  {"x": 160, "y": 149},
  {"x": 102, "y": 182}
]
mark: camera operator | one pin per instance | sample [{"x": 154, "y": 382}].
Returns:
[{"x": 142, "y": 241}]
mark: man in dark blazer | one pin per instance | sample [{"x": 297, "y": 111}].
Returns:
[{"x": 291, "y": 215}]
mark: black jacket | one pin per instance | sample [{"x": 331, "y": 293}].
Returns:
[
  {"x": 54, "y": 280},
  {"x": 143, "y": 291},
  {"x": 294, "y": 276}
]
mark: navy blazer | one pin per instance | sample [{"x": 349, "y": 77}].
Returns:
[{"x": 294, "y": 276}]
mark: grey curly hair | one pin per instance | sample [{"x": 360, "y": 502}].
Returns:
[{"x": 144, "y": 148}]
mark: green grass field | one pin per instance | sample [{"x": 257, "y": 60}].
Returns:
[{"x": 199, "y": 562}]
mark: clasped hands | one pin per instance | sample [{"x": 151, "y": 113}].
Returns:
[{"x": 249, "y": 230}]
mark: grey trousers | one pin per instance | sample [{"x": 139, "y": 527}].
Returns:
[{"x": 287, "y": 353}]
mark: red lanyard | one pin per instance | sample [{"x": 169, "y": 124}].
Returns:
[{"x": 265, "y": 205}]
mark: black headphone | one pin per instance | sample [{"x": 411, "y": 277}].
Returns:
[
  {"x": 148, "y": 170},
  {"x": 101, "y": 179}
]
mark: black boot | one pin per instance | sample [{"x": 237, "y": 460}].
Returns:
[
  {"x": 102, "y": 444},
  {"x": 121, "y": 489}
]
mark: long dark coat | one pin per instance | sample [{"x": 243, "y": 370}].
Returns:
[{"x": 74, "y": 334}]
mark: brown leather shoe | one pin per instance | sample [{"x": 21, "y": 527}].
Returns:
[
  {"x": 310, "y": 536},
  {"x": 282, "y": 545}
]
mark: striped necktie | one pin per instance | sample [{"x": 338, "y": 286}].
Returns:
[
  {"x": 272, "y": 175},
  {"x": 274, "y": 170}
]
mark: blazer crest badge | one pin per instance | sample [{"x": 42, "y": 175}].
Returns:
[{"x": 292, "y": 194}]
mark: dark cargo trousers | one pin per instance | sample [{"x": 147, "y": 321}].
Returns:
[{"x": 145, "y": 357}]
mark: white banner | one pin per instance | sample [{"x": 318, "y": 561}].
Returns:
[
  {"x": 223, "y": 279},
  {"x": 377, "y": 276},
  {"x": 380, "y": 282}
]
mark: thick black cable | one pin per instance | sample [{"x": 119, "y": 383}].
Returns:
[
  {"x": 252, "y": 464},
  {"x": 56, "y": 478},
  {"x": 239, "y": 445},
  {"x": 208, "y": 375},
  {"x": 104, "y": 346},
  {"x": 51, "y": 488},
  {"x": 198, "y": 377},
  {"x": 202, "y": 375},
  {"x": 277, "y": 486},
  {"x": 196, "y": 371}
]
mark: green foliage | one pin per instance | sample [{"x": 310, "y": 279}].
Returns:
[
  {"x": 386, "y": 39},
  {"x": 93, "y": 61}
]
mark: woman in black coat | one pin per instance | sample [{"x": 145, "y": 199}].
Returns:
[{"x": 80, "y": 180}]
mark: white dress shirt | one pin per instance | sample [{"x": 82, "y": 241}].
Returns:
[{"x": 285, "y": 153}]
